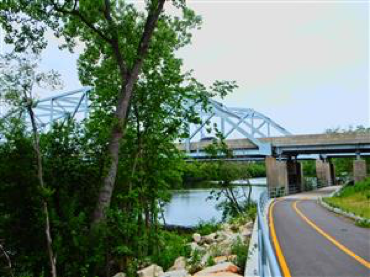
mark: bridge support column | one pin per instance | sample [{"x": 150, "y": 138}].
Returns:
[
  {"x": 294, "y": 176},
  {"x": 276, "y": 173},
  {"x": 359, "y": 170},
  {"x": 285, "y": 174},
  {"x": 325, "y": 173}
]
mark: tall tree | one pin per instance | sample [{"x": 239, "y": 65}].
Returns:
[
  {"x": 104, "y": 23},
  {"x": 18, "y": 78}
]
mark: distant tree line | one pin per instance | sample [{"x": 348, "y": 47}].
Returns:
[{"x": 343, "y": 166}]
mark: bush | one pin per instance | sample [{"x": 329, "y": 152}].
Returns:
[
  {"x": 363, "y": 187},
  {"x": 207, "y": 227},
  {"x": 171, "y": 246},
  {"x": 240, "y": 249},
  {"x": 195, "y": 261},
  {"x": 353, "y": 199},
  {"x": 248, "y": 215},
  {"x": 363, "y": 223},
  {"x": 213, "y": 171}
]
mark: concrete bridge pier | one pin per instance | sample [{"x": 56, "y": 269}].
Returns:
[
  {"x": 286, "y": 174},
  {"x": 325, "y": 172},
  {"x": 359, "y": 170}
]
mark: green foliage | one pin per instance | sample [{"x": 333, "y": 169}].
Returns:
[
  {"x": 363, "y": 223},
  {"x": 249, "y": 214},
  {"x": 210, "y": 261},
  {"x": 196, "y": 171},
  {"x": 172, "y": 246},
  {"x": 353, "y": 198},
  {"x": 360, "y": 187},
  {"x": 309, "y": 168},
  {"x": 21, "y": 217},
  {"x": 195, "y": 261},
  {"x": 75, "y": 160},
  {"x": 70, "y": 177},
  {"x": 207, "y": 227},
  {"x": 240, "y": 249}
]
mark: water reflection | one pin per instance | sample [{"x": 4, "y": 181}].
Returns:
[{"x": 188, "y": 207}]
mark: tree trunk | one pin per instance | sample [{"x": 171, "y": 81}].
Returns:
[
  {"x": 128, "y": 81},
  {"x": 49, "y": 241},
  {"x": 7, "y": 258},
  {"x": 249, "y": 194}
]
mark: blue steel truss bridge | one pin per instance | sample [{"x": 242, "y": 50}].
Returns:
[{"x": 249, "y": 134}]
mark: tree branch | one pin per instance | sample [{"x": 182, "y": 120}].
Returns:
[
  {"x": 149, "y": 27},
  {"x": 114, "y": 41},
  {"x": 83, "y": 19},
  {"x": 150, "y": 24}
]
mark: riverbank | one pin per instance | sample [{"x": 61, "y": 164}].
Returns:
[{"x": 212, "y": 250}]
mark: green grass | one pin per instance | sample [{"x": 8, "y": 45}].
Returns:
[{"x": 354, "y": 199}]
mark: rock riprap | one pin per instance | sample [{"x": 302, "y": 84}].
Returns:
[{"x": 214, "y": 248}]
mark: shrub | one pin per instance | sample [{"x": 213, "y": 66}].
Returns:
[
  {"x": 207, "y": 227},
  {"x": 172, "y": 246},
  {"x": 240, "y": 249}
]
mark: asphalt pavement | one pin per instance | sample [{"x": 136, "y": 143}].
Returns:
[{"x": 316, "y": 242}]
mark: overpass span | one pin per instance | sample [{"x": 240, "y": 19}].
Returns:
[
  {"x": 282, "y": 167},
  {"x": 291, "y": 145}
]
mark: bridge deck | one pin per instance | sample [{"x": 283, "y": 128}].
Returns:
[{"x": 301, "y": 144}]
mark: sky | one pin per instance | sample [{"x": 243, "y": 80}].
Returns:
[{"x": 303, "y": 63}]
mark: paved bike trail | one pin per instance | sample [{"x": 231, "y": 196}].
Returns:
[{"x": 343, "y": 250}]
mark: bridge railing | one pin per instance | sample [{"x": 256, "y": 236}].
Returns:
[
  {"x": 267, "y": 262},
  {"x": 275, "y": 192}
]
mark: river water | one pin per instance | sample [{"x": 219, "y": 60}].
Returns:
[{"x": 190, "y": 206}]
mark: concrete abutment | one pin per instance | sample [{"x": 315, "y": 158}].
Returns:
[
  {"x": 287, "y": 174},
  {"x": 325, "y": 173},
  {"x": 359, "y": 170}
]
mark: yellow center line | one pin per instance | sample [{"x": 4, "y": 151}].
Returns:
[
  {"x": 279, "y": 252},
  {"x": 330, "y": 238}
]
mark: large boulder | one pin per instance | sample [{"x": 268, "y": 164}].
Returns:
[
  {"x": 223, "y": 235},
  {"x": 209, "y": 239},
  {"x": 197, "y": 237},
  {"x": 226, "y": 227},
  {"x": 194, "y": 246},
  {"x": 249, "y": 225},
  {"x": 151, "y": 271},
  {"x": 246, "y": 232},
  {"x": 222, "y": 259},
  {"x": 179, "y": 264},
  {"x": 205, "y": 258},
  {"x": 236, "y": 237},
  {"x": 176, "y": 273},
  {"x": 221, "y": 274},
  {"x": 222, "y": 248},
  {"x": 223, "y": 268}
]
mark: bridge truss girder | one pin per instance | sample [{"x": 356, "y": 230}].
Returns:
[
  {"x": 244, "y": 122},
  {"x": 65, "y": 105}
]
